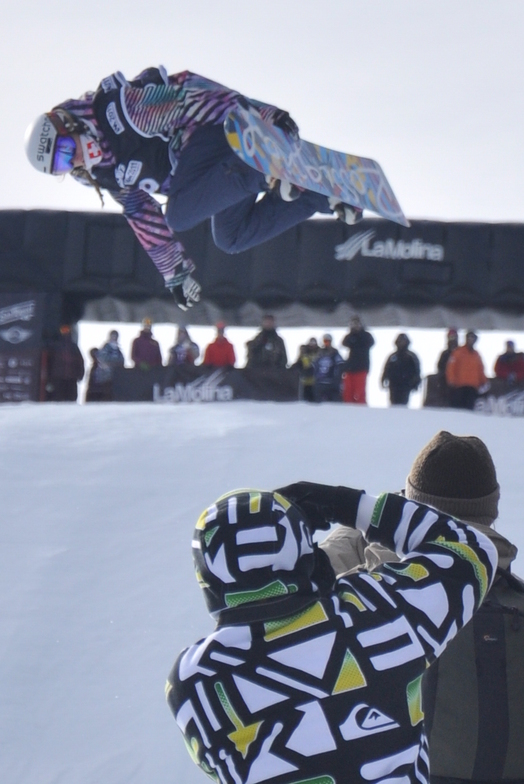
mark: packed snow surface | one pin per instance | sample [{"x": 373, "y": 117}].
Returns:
[{"x": 97, "y": 592}]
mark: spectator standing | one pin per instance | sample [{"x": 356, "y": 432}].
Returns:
[
  {"x": 401, "y": 372},
  {"x": 510, "y": 365},
  {"x": 359, "y": 342},
  {"x": 145, "y": 350},
  {"x": 465, "y": 374},
  {"x": 473, "y": 715},
  {"x": 65, "y": 368},
  {"x": 328, "y": 372},
  {"x": 99, "y": 385},
  {"x": 308, "y": 353},
  {"x": 267, "y": 349},
  {"x": 452, "y": 344},
  {"x": 110, "y": 358},
  {"x": 185, "y": 351},
  {"x": 220, "y": 353}
]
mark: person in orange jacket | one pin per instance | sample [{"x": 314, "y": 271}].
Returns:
[{"x": 465, "y": 374}]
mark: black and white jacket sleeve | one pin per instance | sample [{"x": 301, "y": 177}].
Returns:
[{"x": 445, "y": 571}]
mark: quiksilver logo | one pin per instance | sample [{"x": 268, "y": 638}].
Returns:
[
  {"x": 365, "y": 720},
  {"x": 360, "y": 243}
]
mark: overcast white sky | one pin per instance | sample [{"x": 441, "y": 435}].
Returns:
[{"x": 432, "y": 89}]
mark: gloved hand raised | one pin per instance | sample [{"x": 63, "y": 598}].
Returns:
[{"x": 324, "y": 504}]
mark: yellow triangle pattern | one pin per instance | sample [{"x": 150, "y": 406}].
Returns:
[
  {"x": 293, "y": 623},
  {"x": 350, "y": 676},
  {"x": 243, "y": 734},
  {"x": 414, "y": 698}
]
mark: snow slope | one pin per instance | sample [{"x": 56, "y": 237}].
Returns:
[{"x": 97, "y": 594}]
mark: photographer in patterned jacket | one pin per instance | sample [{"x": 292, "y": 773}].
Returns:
[
  {"x": 311, "y": 680},
  {"x": 163, "y": 134}
]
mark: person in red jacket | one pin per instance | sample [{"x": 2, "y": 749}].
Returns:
[
  {"x": 510, "y": 365},
  {"x": 220, "y": 353}
]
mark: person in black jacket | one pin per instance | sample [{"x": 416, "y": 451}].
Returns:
[
  {"x": 305, "y": 365},
  {"x": 308, "y": 679},
  {"x": 267, "y": 349},
  {"x": 452, "y": 344},
  {"x": 65, "y": 368},
  {"x": 359, "y": 342},
  {"x": 401, "y": 372}
]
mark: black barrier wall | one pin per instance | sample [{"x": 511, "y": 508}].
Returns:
[{"x": 321, "y": 263}]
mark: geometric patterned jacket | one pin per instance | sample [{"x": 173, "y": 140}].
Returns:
[{"x": 330, "y": 694}]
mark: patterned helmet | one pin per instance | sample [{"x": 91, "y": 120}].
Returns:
[{"x": 252, "y": 547}]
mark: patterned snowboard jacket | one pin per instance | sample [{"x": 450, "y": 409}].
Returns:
[
  {"x": 331, "y": 694},
  {"x": 142, "y": 127}
]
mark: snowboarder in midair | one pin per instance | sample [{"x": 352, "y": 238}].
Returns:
[{"x": 163, "y": 134}]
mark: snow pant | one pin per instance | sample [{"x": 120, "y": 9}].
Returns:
[
  {"x": 306, "y": 392},
  {"x": 399, "y": 395},
  {"x": 463, "y": 397},
  {"x": 354, "y": 387},
  {"x": 211, "y": 181},
  {"x": 327, "y": 393}
]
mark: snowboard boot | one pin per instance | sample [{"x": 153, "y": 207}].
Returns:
[
  {"x": 286, "y": 190},
  {"x": 346, "y": 213}
]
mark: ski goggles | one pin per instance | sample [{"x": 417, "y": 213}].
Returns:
[{"x": 65, "y": 149}]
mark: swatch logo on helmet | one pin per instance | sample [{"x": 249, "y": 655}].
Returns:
[
  {"x": 387, "y": 249},
  {"x": 44, "y": 143}
]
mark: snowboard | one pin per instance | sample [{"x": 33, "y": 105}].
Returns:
[{"x": 354, "y": 180}]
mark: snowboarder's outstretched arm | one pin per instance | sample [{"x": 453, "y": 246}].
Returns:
[{"x": 144, "y": 215}]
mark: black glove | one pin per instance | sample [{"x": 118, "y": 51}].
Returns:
[
  {"x": 286, "y": 123},
  {"x": 185, "y": 289},
  {"x": 323, "y": 573},
  {"x": 324, "y": 504}
]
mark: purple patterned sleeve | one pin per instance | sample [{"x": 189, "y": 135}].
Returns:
[{"x": 144, "y": 215}]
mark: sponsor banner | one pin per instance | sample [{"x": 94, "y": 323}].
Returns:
[
  {"x": 364, "y": 244},
  {"x": 174, "y": 385},
  {"x": 21, "y": 321},
  {"x": 501, "y": 399},
  {"x": 21, "y": 318},
  {"x": 19, "y": 375}
]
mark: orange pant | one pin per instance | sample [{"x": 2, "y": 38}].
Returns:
[{"x": 354, "y": 387}]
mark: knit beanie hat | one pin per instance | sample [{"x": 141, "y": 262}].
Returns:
[{"x": 456, "y": 475}]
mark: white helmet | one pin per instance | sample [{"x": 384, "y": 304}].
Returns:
[{"x": 40, "y": 140}]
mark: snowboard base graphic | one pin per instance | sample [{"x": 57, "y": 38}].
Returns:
[{"x": 354, "y": 180}]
